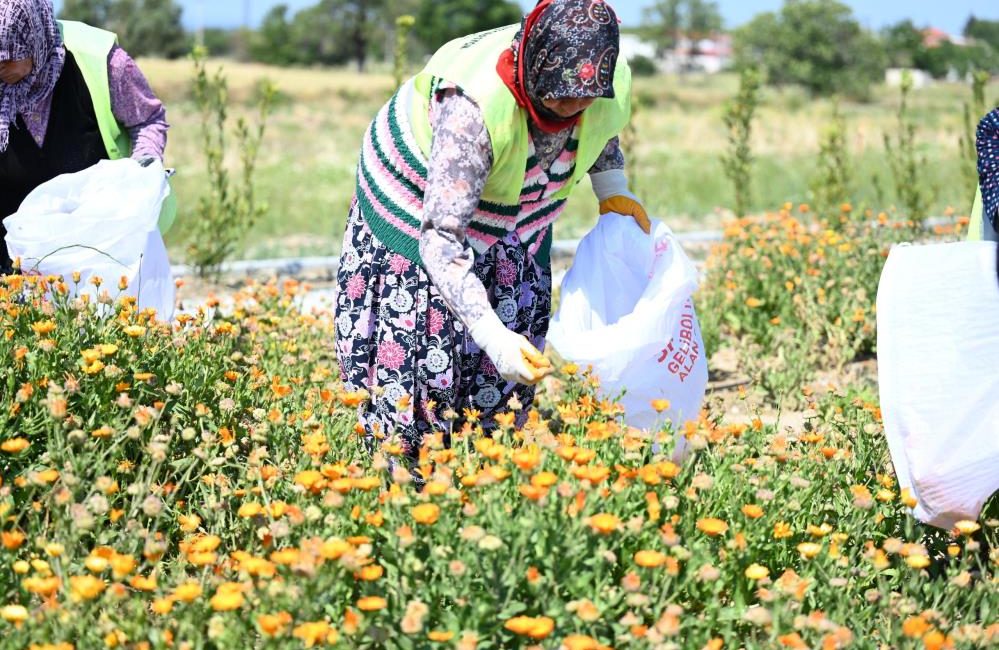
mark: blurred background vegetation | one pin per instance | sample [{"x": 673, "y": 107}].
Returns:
[{"x": 331, "y": 64}]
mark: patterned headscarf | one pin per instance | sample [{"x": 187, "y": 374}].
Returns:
[
  {"x": 565, "y": 49},
  {"x": 28, "y": 30}
]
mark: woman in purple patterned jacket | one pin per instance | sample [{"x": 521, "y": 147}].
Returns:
[{"x": 54, "y": 107}]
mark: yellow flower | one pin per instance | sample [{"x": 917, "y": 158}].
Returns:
[
  {"x": 782, "y": 530},
  {"x": 649, "y": 559},
  {"x": 228, "y": 596},
  {"x": 187, "y": 592},
  {"x": 967, "y": 527},
  {"x": 570, "y": 369},
  {"x": 371, "y": 603},
  {"x": 712, "y": 526},
  {"x": 15, "y": 614},
  {"x": 162, "y": 606},
  {"x": 440, "y": 636},
  {"x": 753, "y": 303},
  {"x": 604, "y": 523},
  {"x": 533, "y": 627},
  {"x": 273, "y": 624},
  {"x": 757, "y": 572},
  {"x": 426, "y": 513},
  {"x": 315, "y": 633},
  {"x": 918, "y": 561},
  {"x": 249, "y": 509},
  {"x": 86, "y": 587},
  {"x": 42, "y": 328},
  {"x": 15, "y": 445},
  {"x": 660, "y": 405},
  {"x": 809, "y": 550}
]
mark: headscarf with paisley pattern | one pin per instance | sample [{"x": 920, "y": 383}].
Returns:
[{"x": 566, "y": 49}]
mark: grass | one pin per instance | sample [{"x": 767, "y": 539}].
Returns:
[{"x": 307, "y": 169}]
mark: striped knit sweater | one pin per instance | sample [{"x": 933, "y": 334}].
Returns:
[{"x": 392, "y": 181}]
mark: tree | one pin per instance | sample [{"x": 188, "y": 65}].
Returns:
[
  {"x": 814, "y": 43},
  {"x": 92, "y": 12},
  {"x": 985, "y": 31},
  {"x": 440, "y": 21},
  {"x": 144, "y": 27},
  {"x": 668, "y": 22},
  {"x": 903, "y": 44},
  {"x": 273, "y": 42}
]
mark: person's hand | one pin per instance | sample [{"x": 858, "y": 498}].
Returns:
[
  {"x": 628, "y": 205},
  {"x": 516, "y": 360},
  {"x": 611, "y": 188}
]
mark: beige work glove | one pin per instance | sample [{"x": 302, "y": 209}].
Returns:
[
  {"x": 515, "y": 358},
  {"x": 611, "y": 188}
]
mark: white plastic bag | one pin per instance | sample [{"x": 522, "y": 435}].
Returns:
[
  {"x": 102, "y": 222},
  {"x": 938, "y": 368},
  {"x": 626, "y": 310}
]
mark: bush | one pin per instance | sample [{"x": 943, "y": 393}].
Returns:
[
  {"x": 205, "y": 483},
  {"x": 642, "y": 66}
]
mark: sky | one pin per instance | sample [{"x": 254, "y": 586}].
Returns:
[{"x": 949, "y": 15}]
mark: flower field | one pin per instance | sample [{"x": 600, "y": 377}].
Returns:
[{"x": 203, "y": 485}]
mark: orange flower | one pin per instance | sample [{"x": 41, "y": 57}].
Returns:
[
  {"x": 42, "y": 328},
  {"x": 426, "y": 513},
  {"x": 533, "y": 627},
  {"x": 370, "y": 573},
  {"x": 752, "y": 511},
  {"x": 660, "y": 405},
  {"x": 228, "y": 596},
  {"x": 915, "y": 627},
  {"x": 712, "y": 526},
  {"x": 15, "y": 445},
  {"x": 187, "y": 592},
  {"x": 371, "y": 603},
  {"x": 440, "y": 636},
  {"x": 809, "y": 550},
  {"x": 86, "y": 587},
  {"x": 315, "y": 633},
  {"x": 273, "y": 624},
  {"x": 581, "y": 642},
  {"x": 604, "y": 523},
  {"x": 544, "y": 479},
  {"x": 650, "y": 559},
  {"x": 12, "y": 539}
]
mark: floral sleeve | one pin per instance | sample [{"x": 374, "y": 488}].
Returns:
[
  {"x": 611, "y": 158},
  {"x": 988, "y": 163},
  {"x": 460, "y": 161}
]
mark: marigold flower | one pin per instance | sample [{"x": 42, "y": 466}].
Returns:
[
  {"x": 533, "y": 627},
  {"x": 14, "y": 614},
  {"x": 650, "y": 559},
  {"x": 162, "y": 606},
  {"x": 12, "y": 539},
  {"x": 752, "y": 511},
  {"x": 372, "y": 603},
  {"x": 370, "y": 573},
  {"x": 187, "y": 592},
  {"x": 581, "y": 642},
  {"x": 757, "y": 572},
  {"x": 712, "y": 526},
  {"x": 967, "y": 527},
  {"x": 134, "y": 331},
  {"x": 426, "y": 513},
  {"x": 273, "y": 624},
  {"x": 918, "y": 561},
  {"x": 604, "y": 523},
  {"x": 660, "y": 405},
  {"x": 228, "y": 597},
  {"x": 14, "y": 445},
  {"x": 86, "y": 587},
  {"x": 809, "y": 550},
  {"x": 782, "y": 530},
  {"x": 440, "y": 636},
  {"x": 315, "y": 633}
]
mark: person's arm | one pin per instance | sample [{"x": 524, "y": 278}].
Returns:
[
  {"x": 461, "y": 158},
  {"x": 610, "y": 184},
  {"x": 988, "y": 164},
  {"x": 136, "y": 107}
]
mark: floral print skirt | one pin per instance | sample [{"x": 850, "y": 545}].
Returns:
[{"x": 397, "y": 339}]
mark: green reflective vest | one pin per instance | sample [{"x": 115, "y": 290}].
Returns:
[
  {"x": 91, "y": 47},
  {"x": 470, "y": 63}
]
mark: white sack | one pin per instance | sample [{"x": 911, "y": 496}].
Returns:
[
  {"x": 101, "y": 221},
  {"x": 938, "y": 367},
  {"x": 626, "y": 310}
]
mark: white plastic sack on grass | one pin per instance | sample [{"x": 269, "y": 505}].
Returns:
[
  {"x": 938, "y": 367},
  {"x": 102, "y": 222},
  {"x": 626, "y": 310}
]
